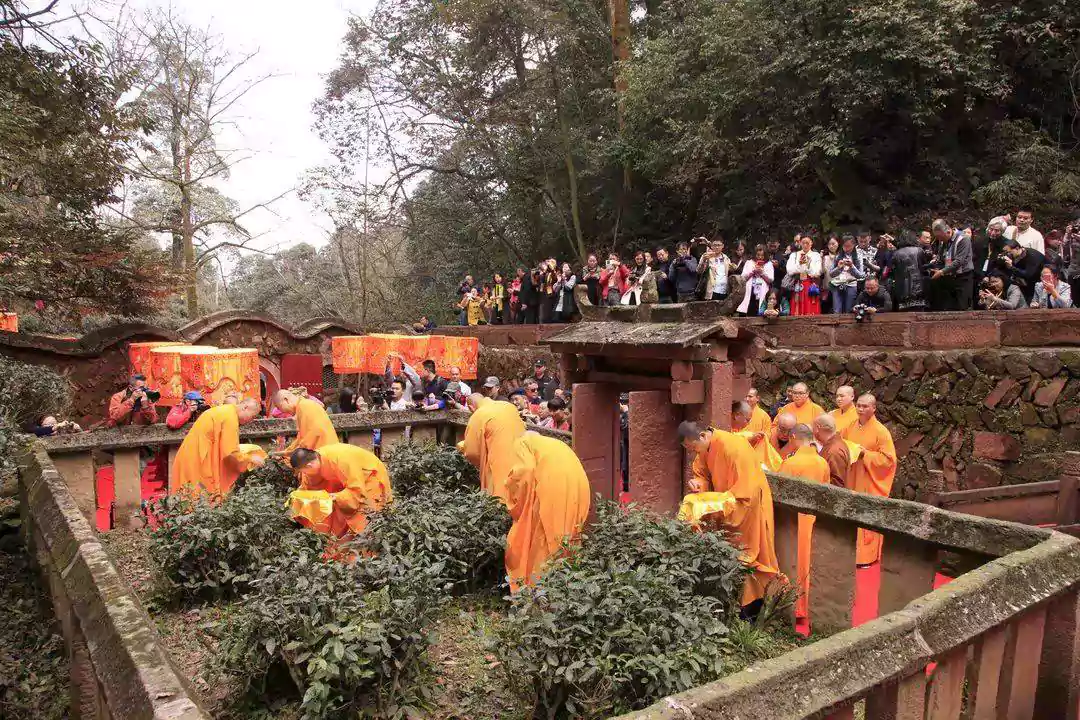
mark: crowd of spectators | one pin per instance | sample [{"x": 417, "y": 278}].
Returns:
[{"x": 1003, "y": 266}]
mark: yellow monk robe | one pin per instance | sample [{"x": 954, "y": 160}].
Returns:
[
  {"x": 807, "y": 465},
  {"x": 872, "y": 473},
  {"x": 489, "y": 443},
  {"x": 767, "y": 455},
  {"x": 549, "y": 502},
  {"x": 759, "y": 422},
  {"x": 731, "y": 465},
  {"x": 211, "y": 456},
  {"x": 357, "y": 482},
  {"x": 313, "y": 427},
  {"x": 805, "y": 415},
  {"x": 845, "y": 419}
]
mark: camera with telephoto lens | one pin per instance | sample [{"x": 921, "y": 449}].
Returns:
[
  {"x": 379, "y": 397},
  {"x": 861, "y": 312}
]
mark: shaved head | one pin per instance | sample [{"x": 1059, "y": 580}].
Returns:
[
  {"x": 247, "y": 410},
  {"x": 474, "y": 401},
  {"x": 800, "y": 393},
  {"x": 803, "y": 434},
  {"x": 866, "y": 407},
  {"x": 825, "y": 422},
  {"x": 752, "y": 397},
  {"x": 787, "y": 422},
  {"x": 740, "y": 414},
  {"x": 845, "y": 397},
  {"x": 286, "y": 400}
]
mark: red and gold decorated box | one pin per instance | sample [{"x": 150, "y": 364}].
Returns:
[
  {"x": 349, "y": 353},
  {"x": 139, "y": 356},
  {"x": 165, "y": 371},
  {"x": 414, "y": 348},
  {"x": 9, "y": 322},
  {"x": 222, "y": 372},
  {"x": 459, "y": 352}
]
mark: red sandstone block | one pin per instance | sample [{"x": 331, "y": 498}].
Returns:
[
  {"x": 689, "y": 392},
  {"x": 681, "y": 370},
  {"x": 996, "y": 446},
  {"x": 904, "y": 444},
  {"x": 1036, "y": 329},
  {"x": 999, "y": 392},
  {"x": 940, "y": 335},
  {"x": 1047, "y": 395},
  {"x": 792, "y": 333},
  {"x": 1070, "y": 463},
  {"x": 978, "y": 476},
  {"x": 871, "y": 334}
]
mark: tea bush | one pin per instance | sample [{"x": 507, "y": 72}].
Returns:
[
  {"x": 349, "y": 636},
  {"x": 460, "y": 536},
  {"x": 275, "y": 475},
  {"x": 415, "y": 466},
  {"x": 206, "y": 550},
  {"x": 27, "y": 391},
  {"x": 639, "y": 610}
]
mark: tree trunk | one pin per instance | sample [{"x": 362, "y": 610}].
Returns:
[
  {"x": 568, "y": 159},
  {"x": 620, "y": 45},
  {"x": 187, "y": 232}
]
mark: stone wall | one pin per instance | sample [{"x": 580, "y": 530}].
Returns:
[{"x": 984, "y": 418}]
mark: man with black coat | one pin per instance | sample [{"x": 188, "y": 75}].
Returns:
[
  {"x": 1020, "y": 266},
  {"x": 530, "y": 296},
  {"x": 952, "y": 281}
]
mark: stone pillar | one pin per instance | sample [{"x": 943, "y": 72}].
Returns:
[
  {"x": 423, "y": 433},
  {"x": 361, "y": 438},
  {"x": 1059, "y": 671},
  {"x": 908, "y": 566},
  {"x": 595, "y": 413},
  {"x": 77, "y": 471},
  {"x": 655, "y": 452},
  {"x": 786, "y": 538},
  {"x": 128, "y": 488},
  {"x": 716, "y": 410},
  {"x": 390, "y": 438},
  {"x": 833, "y": 575}
]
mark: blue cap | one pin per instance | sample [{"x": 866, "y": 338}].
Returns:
[{"x": 193, "y": 395}]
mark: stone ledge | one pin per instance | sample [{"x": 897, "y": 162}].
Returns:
[
  {"x": 839, "y": 669},
  {"x": 133, "y": 670}
]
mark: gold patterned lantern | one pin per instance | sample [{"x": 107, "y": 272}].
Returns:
[
  {"x": 222, "y": 372},
  {"x": 139, "y": 356},
  {"x": 414, "y": 348},
  {"x": 450, "y": 351},
  {"x": 165, "y": 371},
  {"x": 349, "y": 353},
  {"x": 9, "y": 322}
]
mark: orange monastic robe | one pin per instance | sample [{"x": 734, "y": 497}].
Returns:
[
  {"x": 767, "y": 454},
  {"x": 314, "y": 428},
  {"x": 356, "y": 481},
  {"x": 845, "y": 419},
  {"x": 549, "y": 502},
  {"x": 806, "y": 465},
  {"x": 731, "y": 465},
  {"x": 209, "y": 460},
  {"x": 872, "y": 473},
  {"x": 805, "y": 415},
  {"x": 759, "y": 422},
  {"x": 489, "y": 443}
]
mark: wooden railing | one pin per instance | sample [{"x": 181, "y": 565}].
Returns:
[{"x": 999, "y": 641}]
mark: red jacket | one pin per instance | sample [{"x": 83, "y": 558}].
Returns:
[
  {"x": 179, "y": 416},
  {"x": 623, "y": 273},
  {"x": 122, "y": 411}
]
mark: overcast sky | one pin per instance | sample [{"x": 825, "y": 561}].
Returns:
[{"x": 298, "y": 42}]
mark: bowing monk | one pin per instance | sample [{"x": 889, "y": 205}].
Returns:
[
  {"x": 355, "y": 479},
  {"x": 833, "y": 450},
  {"x": 845, "y": 412},
  {"x": 805, "y": 464},
  {"x": 726, "y": 463},
  {"x": 759, "y": 420},
  {"x": 741, "y": 418},
  {"x": 489, "y": 441},
  {"x": 874, "y": 470},
  {"x": 548, "y": 494},
  {"x": 780, "y": 435},
  {"x": 313, "y": 426},
  {"x": 211, "y": 457},
  {"x": 801, "y": 406}
]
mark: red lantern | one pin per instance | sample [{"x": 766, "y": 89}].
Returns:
[
  {"x": 221, "y": 373},
  {"x": 165, "y": 371},
  {"x": 139, "y": 356},
  {"x": 9, "y": 322}
]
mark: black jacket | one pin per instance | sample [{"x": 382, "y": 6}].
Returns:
[
  {"x": 548, "y": 384},
  {"x": 529, "y": 293},
  {"x": 879, "y": 300},
  {"x": 1024, "y": 272},
  {"x": 908, "y": 272}
]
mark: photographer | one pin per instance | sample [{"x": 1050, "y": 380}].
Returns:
[
  {"x": 872, "y": 300},
  {"x": 187, "y": 410},
  {"x": 1071, "y": 253},
  {"x": 432, "y": 386},
  {"x": 47, "y": 426},
  {"x": 683, "y": 272},
  {"x": 134, "y": 405},
  {"x": 951, "y": 282},
  {"x": 1019, "y": 266},
  {"x": 994, "y": 296}
]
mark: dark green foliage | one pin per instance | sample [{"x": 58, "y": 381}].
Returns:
[
  {"x": 416, "y": 466},
  {"x": 638, "y": 611},
  {"x": 26, "y": 392},
  {"x": 459, "y": 536},
  {"x": 347, "y": 635},
  {"x": 207, "y": 550},
  {"x": 274, "y": 475}
]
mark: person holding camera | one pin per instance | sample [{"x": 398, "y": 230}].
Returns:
[
  {"x": 951, "y": 280},
  {"x": 994, "y": 296},
  {"x": 804, "y": 268},
  {"x": 872, "y": 300},
  {"x": 134, "y": 405},
  {"x": 844, "y": 277},
  {"x": 1052, "y": 292},
  {"x": 48, "y": 426},
  {"x": 1019, "y": 266},
  {"x": 683, "y": 273},
  {"x": 1071, "y": 252},
  {"x": 187, "y": 410}
]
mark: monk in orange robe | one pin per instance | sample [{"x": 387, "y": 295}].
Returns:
[
  {"x": 211, "y": 458},
  {"x": 873, "y": 472},
  {"x": 845, "y": 412},
  {"x": 757, "y": 421},
  {"x": 805, "y": 464},
  {"x": 314, "y": 428},
  {"x": 726, "y": 463},
  {"x": 549, "y": 502},
  {"x": 741, "y": 419},
  {"x": 801, "y": 406},
  {"x": 355, "y": 479},
  {"x": 489, "y": 441},
  {"x": 780, "y": 434}
]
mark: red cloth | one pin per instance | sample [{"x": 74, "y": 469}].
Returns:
[
  {"x": 178, "y": 417},
  {"x": 802, "y": 303},
  {"x": 623, "y": 273}
]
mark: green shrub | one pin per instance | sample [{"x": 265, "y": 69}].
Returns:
[
  {"x": 27, "y": 391},
  {"x": 349, "y": 636},
  {"x": 206, "y": 550},
  {"x": 415, "y": 466},
  {"x": 460, "y": 536},
  {"x": 274, "y": 475},
  {"x": 639, "y": 610}
]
